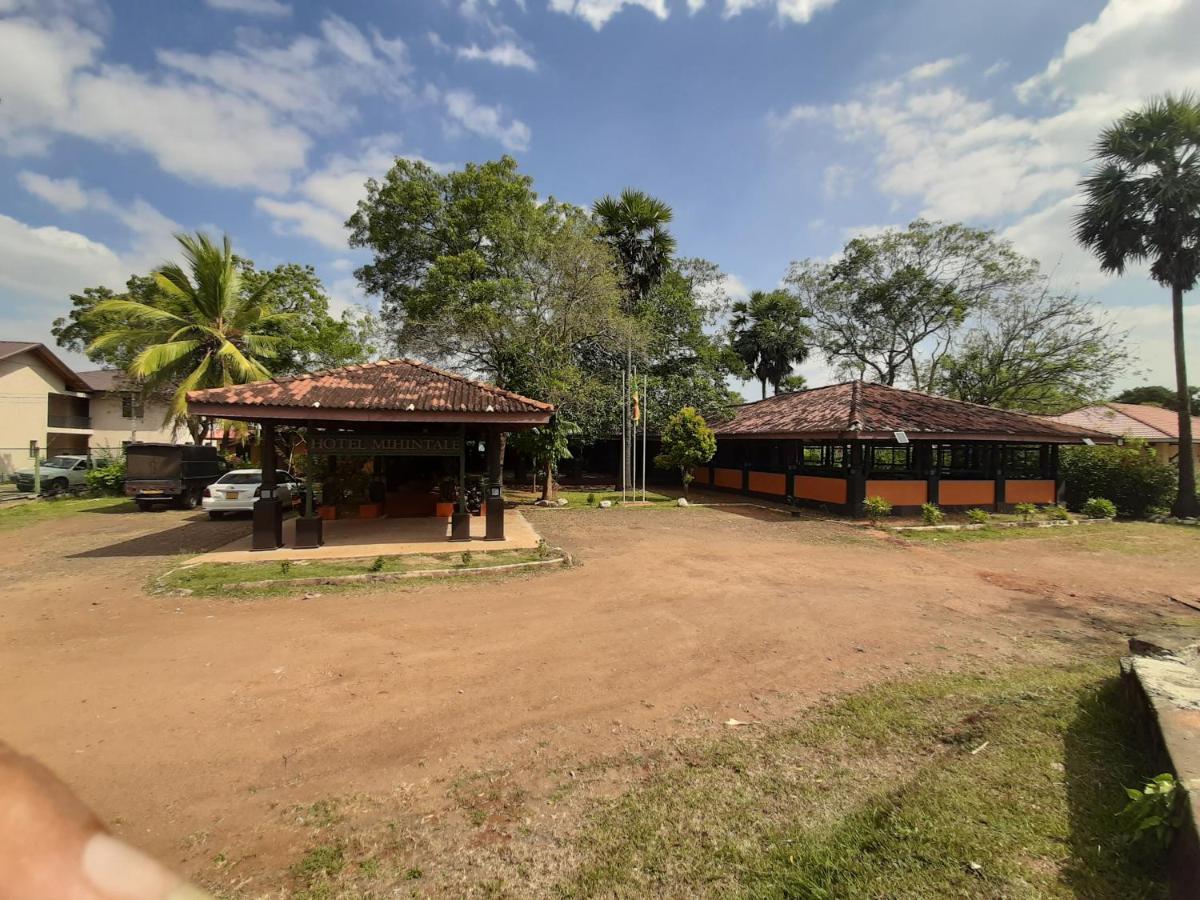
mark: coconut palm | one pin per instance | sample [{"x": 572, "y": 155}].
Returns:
[
  {"x": 201, "y": 332},
  {"x": 1143, "y": 204},
  {"x": 768, "y": 334}
]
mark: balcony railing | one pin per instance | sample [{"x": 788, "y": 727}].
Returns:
[{"x": 53, "y": 421}]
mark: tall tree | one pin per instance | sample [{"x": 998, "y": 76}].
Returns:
[
  {"x": 635, "y": 226},
  {"x": 768, "y": 334},
  {"x": 1035, "y": 350},
  {"x": 1158, "y": 395},
  {"x": 891, "y": 307},
  {"x": 687, "y": 442},
  {"x": 203, "y": 331},
  {"x": 1143, "y": 204}
]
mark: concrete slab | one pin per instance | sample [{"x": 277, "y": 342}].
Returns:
[{"x": 359, "y": 538}]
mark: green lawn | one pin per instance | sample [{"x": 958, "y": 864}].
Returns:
[
  {"x": 41, "y": 510},
  {"x": 882, "y": 796},
  {"x": 214, "y": 579}
]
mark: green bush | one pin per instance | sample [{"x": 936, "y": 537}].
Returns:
[
  {"x": 1026, "y": 511},
  {"x": 1130, "y": 475},
  {"x": 1056, "y": 513},
  {"x": 377, "y": 564},
  {"x": 109, "y": 478},
  {"x": 877, "y": 508},
  {"x": 1155, "y": 810},
  {"x": 591, "y": 499},
  {"x": 979, "y": 516},
  {"x": 931, "y": 515},
  {"x": 1099, "y": 508}
]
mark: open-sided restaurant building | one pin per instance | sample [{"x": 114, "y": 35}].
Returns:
[
  {"x": 835, "y": 446},
  {"x": 398, "y": 438}
]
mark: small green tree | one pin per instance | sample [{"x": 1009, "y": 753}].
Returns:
[
  {"x": 687, "y": 442},
  {"x": 1129, "y": 474},
  {"x": 547, "y": 445}
]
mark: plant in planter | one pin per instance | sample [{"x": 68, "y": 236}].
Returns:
[
  {"x": 1026, "y": 512},
  {"x": 979, "y": 516}
]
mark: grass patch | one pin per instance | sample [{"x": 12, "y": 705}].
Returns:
[
  {"x": 55, "y": 508},
  {"x": 881, "y": 796},
  {"x": 1129, "y": 538},
  {"x": 576, "y": 499},
  {"x": 210, "y": 579}
]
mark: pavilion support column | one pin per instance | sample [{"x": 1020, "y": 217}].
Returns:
[
  {"x": 495, "y": 487},
  {"x": 856, "y": 480},
  {"x": 268, "y": 513},
  {"x": 929, "y": 460},
  {"x": 460, "y": 521},
  {"x": 1060, "y": 494}
]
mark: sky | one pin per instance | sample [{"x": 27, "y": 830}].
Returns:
[{"x": 776, "y": 129}]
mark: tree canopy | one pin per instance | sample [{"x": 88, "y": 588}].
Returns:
[
  {"x": 1157, "y": 395},
  {"x": 768, "y": 334},
  {"x": 687, "y": 442}
]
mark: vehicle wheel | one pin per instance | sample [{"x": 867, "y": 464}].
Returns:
[
  {"x": 143, "y": 505},
  {"x": 214, "y": 515},
  {"x": 189, "y": 500},
  {"x": 59, "y": 486}
]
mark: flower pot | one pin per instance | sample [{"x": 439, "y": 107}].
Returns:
[
  {"x": 310, "y": 532},
  {"x": 444, "y": 510},
  {"x": 370, "y": 510},
  {"x": 327, "y": 512}
]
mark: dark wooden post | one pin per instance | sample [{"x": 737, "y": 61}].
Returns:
[
  {"x": 856, "y": 482},
  {"x": 268, "y": 513},
  {"x": 1060, "y": 492},
  {"x": 998, "y": 475},
  {"x": 932, "y": 473},
  {"x": 495, "y": 488}
]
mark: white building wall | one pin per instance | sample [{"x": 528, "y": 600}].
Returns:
[
  {"x": 111, "y": 430},
  {"x": 25, "y": 383}
]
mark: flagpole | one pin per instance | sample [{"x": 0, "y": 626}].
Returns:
[
  {"x": 624, "y": 425},
  {"x": 645, "y": 428},
  {"x": 636, "y": 420}
]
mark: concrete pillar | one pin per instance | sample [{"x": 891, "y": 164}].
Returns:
[{"x": 494, "y": 495}]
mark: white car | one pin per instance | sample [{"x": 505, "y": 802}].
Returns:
[{"x": 236, "y": 491}]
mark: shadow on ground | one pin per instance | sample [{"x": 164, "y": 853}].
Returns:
[{"x": 196, "y": 535}]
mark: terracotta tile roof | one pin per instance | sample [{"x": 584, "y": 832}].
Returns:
[
  {"x": 862, "y": 409},
  {"x": 1152, "y": 423},
  {"x": 394, "y": 385}
]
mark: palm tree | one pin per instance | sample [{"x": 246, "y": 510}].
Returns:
[
  {"x": 635, "y": 226},
  {"x": 202, "y": 332},
  {"x": 768, "y": 335},
  {"x": 1143, "y": 204}
]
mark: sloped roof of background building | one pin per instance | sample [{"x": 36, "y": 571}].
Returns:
[
  {"x": 1152, "y": 423},
  {"x": 858, "y": 408},
  {"x": 393, "y": 385}
]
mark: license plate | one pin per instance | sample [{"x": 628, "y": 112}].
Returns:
[
  {"x": 231, "y": 495},
  {"x": 151, "y": 492}
]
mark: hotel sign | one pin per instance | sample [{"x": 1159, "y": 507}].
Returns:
[{"x": 386, "y": 445}]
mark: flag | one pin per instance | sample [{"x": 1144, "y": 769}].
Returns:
[{"x": 637, "y": 411}]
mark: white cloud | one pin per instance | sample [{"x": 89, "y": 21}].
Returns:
[
  {"x": 151, "y": 233},
  {"x": 597, "y": 12},
  {"x": 934, "y": 69},
  {"x": 694, "y": 6},
  {"x": 837, "y": 180},
  {"x": 235, "y": 118},
  {"x": 252, "y": 7},
  {"x": 798, "y": 11},
  {"x": 64, "y": 194},
  {"x": 466, "y": 113},
  {"x": 48, "y": 264},
  {"x": 505, "y": 54},
  {"x": 326, "y": 197}
]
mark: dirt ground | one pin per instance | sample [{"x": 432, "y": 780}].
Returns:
[{"x": 199, "y": 726}]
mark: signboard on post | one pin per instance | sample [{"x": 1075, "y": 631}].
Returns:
[{"x": 386, "y": 445}]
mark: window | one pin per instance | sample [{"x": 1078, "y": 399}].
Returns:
[
  {"x": 962, "y": 459},
  {"x": 891, "y": 459},
  {"x": 131, "y": 406},
  {"x": 1023, "y": 462},
  {"x": 823, "y": 456}
]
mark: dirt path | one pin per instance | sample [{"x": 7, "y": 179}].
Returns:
[{"x": 193, "y": 722}]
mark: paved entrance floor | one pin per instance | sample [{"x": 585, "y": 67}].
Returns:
[{"x": 353, "y": 538}]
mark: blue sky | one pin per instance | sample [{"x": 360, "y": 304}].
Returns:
[{"x": 775, "y": 128}]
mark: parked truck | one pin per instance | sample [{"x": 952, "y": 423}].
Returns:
[{"x": 164, "y": 474}]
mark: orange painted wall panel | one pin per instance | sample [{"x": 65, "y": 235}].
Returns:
[
  {"x": 768, "y": 483},
  {"x": 966, "y": 493},
  {"x": 899, "y": 493},
  {"x": 1029, "y": 492},
  {"x": 728, "y": 478},
  {"x": 700, "y": 475},
  {"x": 824, "y": 490}
]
